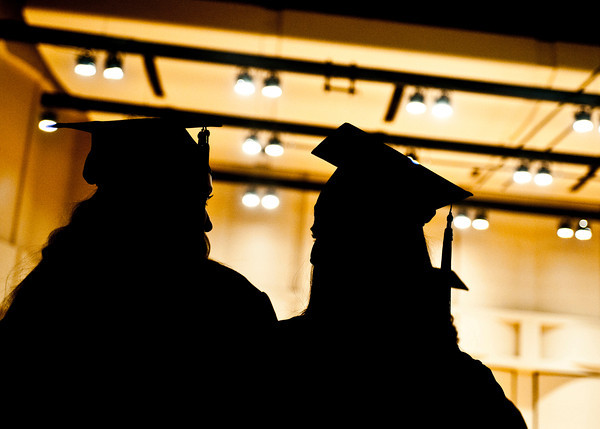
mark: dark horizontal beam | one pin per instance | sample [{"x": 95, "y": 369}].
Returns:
[
  {"x": 85, "y": 104},
  {"x": 18, "y": 31},
  {"x": 482, "y": 203}
]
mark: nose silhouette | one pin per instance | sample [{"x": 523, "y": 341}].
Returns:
[{"x": 208, "y": 226}]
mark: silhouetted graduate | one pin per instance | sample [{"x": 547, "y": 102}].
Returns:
[
  {"x": 126, "y": 285},
  {"x": 376, "y": 341}
]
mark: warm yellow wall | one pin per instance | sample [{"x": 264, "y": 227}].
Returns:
[
  {"x": 40, "y": 173},
  {"x": 271, "y": 248}
]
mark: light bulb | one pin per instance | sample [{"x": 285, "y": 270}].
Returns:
[
  {"x": 543, "y": 177},
  {"x": 272, "y": 89},
  {"x": 442, "y": 107},
  {"x": 584, "y": 231},
  {"x": 251, "y": 198},
  {"x": 270, "y": 201},
  {"x": 86, "y": 65},
  {"x": 416, "y": 104},
  {"x": 583, "y": 234},
  {"x": 480, "y": 222},
  {"x": 47, "y": 122},
  {"x": 251, "y": 146},
  {"x": 113, "y": 69},
  {"x": 244, "y": 84},
  {"x": 462, "y": 221},
  {"x": 522, "y": 175},
  {"x": 583, "y": 122},
  {"x": 274, "y": 148},
  {"x": 564, "y": 230}
]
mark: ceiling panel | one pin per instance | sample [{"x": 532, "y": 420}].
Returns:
[{"x": 477, "y": 118}]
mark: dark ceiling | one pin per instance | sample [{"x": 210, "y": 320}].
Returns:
[{"x": 542, "y": 21}]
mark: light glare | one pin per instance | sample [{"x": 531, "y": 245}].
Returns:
[
  {"x": 85, "y": 69},
  {"x": 442, "y": 108},
  {"x": 47, "y": 125},
  {"x": 583, "y": 234},
  {"x": 462, "y": 221},
  {"x": 244, "y": 85},
  {"x": 522, "y": 175},
  {"x": 113, "y": 73},
  {"x": 583, "y": 122},
  {"x": 416, "y": 104},
  {"x": 543, "y": 177},
  {"x": 251, "y": 146},
  {"x": 270, "y": 201},
  {"x": 565, "y": 232},
  {"x": 251, "y": 199}
]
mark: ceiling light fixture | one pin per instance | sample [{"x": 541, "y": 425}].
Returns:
[
  {"x": 583, "y": 122},
  {"x": 274, "y": 148},
  {"x": 251, "y": 145},
  {"x": 47, "y": 122},
  {"x": 413, "y": 157},
  {"x": 442, "y": 108},
  {"x": 543, "y": 177},
  {"x": 113, "y": 68},
  {"x": 416, "y": 104},
  {"x": 86, "y": 65},
  {"x": 272, "y": 88},
  {"x": 584, "y": 232},
  {"x": 564, "y": 230},
  {"x": 244, "y": 84},
  {"x": 251, "y": 198},
  {"x": 522, "y": 174},
  {"x": 270, "y": 200},
  {"x": 462, "y": 220},
  {"x": 480, "y": 222}
]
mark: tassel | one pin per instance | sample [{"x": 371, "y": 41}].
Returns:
[{"x": 446, "y": 265}]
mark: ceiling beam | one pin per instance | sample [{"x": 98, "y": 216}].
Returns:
[
  {"x": 18, "y": 31},
  {"x": 50, "y": 100},
  {"x": 483, "y": 203}
]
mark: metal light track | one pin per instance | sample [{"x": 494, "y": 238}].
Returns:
[
  {"x": 483, "y": 203},
  {"x": 87, "y": 104},
  {"x": 18, "y": 31}
]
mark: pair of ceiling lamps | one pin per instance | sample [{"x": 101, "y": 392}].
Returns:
[
  {"x": 244, "y": 85},
  {"x": 583, "y": 232},
  {"x": 441, "y": 108},
  {"x": 252, "y": 199},
  {"x": 543, "y": 177},
  {"x": 252, "y": 146},
  {"x": 113, "y": 67},
  {"x": 583, "y": 122},
  {"x": 463, "y": 221}
]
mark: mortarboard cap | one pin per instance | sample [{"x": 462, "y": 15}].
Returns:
[
  {"x": 349, "y": 147},
  {"x": 135, "y": 149}
]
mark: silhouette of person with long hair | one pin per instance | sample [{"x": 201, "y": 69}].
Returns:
[
  {"x": 376, "y": 340},
  {"x": 127, "y": 284}
]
